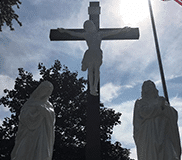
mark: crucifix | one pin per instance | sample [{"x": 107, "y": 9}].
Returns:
[{"x": 92, "y": 61}]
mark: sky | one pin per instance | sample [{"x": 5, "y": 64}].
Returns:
[{"x": 126, "y": 63}]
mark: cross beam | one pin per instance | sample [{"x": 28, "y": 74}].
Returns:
[{"x": 133, "y": 34}]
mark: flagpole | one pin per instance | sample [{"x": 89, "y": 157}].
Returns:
[{"x": 158, "y": 53}]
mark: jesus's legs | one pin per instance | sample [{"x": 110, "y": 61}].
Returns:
[
  {"x": 91, "y": 75},
  {"x": 96, "y": 78}
]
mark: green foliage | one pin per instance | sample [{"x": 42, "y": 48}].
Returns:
[
  {"x": 69, "y": 99},
  {"x": 7, "y": 14}
]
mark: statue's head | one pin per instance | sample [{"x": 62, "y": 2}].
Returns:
[
  {"x": 43, "y": 91},
  {"x": 89, "y": 26},
  {"x": 149, "y": 89}
]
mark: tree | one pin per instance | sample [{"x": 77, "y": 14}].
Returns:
[
  {"x": 7, "y": 14},
  {"x": 69, "y": 99}
]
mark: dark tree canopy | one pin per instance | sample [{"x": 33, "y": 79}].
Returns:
[
  {"x": 69, "y": 99},
  {"x": 7, "y": 14}
]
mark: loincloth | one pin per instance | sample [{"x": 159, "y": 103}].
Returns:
[{"x": 92, "y": 57}]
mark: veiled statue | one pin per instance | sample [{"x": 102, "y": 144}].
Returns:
[
  {"x": 156, "y": 131},
  {"x": 35, "y": 135}
]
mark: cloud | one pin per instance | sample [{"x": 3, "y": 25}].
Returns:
[
  {"x": 4, "y": 112},
  {"x": 124, "y": 54},
  {"x": 109, "y": 91},
  {"x": 139, "y": 58},
  {"x": 6, "y": 83},
  {"x": 124, "y": 132},
  {"x": 176, "y": 102},
  {"x": 30, "y": 44},
  {"x": 124, "y": 62},
  {"x": 133, "y": 154}
]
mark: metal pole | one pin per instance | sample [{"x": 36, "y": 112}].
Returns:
[{"x": 158, "y": 53}]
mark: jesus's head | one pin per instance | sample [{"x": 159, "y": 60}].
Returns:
[{"x": 89, "y": 26}]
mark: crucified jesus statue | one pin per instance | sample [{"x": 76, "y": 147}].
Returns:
[{"x": 92, "y": 58}]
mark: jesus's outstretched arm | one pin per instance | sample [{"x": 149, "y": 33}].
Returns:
[
  {"x": 73, "y": 33},
  {"x": 114, "y": 32}
]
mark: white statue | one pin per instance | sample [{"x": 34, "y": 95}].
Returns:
[
  {"x": 35, "y": 135},
  {"x": 155, "y": 126},
  {"x": 92, "y": 59}
]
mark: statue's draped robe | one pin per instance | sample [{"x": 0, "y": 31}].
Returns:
[
  {"x": 156, "y": 132},
  {"x": 35, "y": 136}
]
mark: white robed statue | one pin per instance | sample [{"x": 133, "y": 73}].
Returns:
[
  {"x": 35, "y": 135},
  {"x": 155, "y": 126}
]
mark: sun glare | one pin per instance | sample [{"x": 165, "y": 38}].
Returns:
[{"x": 133, "y": 12}]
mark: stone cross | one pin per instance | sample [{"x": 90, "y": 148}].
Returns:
[{"x": 93, "y": 151}]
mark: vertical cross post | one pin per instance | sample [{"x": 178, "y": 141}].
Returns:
[
  {"x": 94, "y": 12},
  {"x": 93, "y": 145},
  {"x": 93, "y": 151}
]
